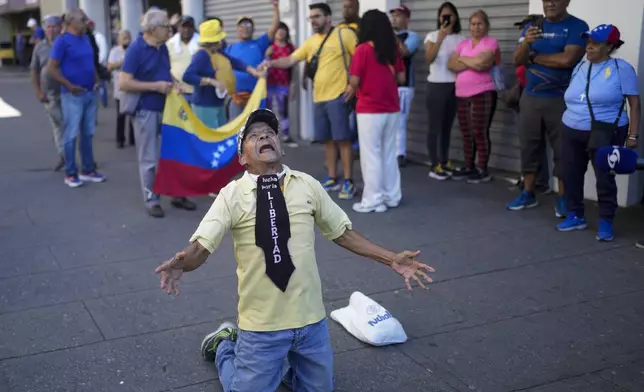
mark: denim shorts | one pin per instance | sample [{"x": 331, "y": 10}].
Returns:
[{"x": 332, "y": 120}]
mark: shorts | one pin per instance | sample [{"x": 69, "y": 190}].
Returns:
[{"x": 332, "y": 121}]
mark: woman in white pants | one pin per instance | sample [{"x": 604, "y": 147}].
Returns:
[{"x": 376, "y": 71}]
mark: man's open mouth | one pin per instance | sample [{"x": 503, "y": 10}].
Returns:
[{"x": 266, "y": 148}]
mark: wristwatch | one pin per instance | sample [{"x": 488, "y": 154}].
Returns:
[{"x": 634, "y": 137}]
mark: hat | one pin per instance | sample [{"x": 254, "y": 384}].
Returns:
[
  {"x": 605, "y": 33},
  {"x": 187, "y": 20},
  {"x": 403, "y": 10},
  {"x": 246, "y": 19},
  {"x": 31, "y": 23},
  {"x": 259, "y": 115},
  {"x": 211, "y": 32},
  {"x": 52, "y": 20}
]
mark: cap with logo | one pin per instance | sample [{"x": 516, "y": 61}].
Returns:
[
  {"x": 604, "y": 33},
  {"x": 260, "y": 115},
  {"x": 403, "y": 10}
]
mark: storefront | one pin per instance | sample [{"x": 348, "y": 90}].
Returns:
[
  {"x": 14, "y": 15},
  {"x": 261, "y": 11}
]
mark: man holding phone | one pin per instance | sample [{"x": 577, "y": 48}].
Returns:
[{"x": 550, "y": 48}]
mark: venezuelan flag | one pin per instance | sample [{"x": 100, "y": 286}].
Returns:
[{"x": 197, "y": 160}]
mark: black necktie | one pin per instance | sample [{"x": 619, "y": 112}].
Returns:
[{"x": 273, "y": 230}]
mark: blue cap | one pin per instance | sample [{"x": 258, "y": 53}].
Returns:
[
  {"x": 604, "y": 33},
  {"x": 616, "y": 160}
]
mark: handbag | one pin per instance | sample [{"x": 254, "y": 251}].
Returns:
[
  {"x": 601, "y": 133},
  {"x": 311, "y": 67},
  {"x": 498, "y": 78}
]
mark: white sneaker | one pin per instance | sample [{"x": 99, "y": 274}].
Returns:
[
  {"x": 362, "y": 208},
  {"x": 391, "y": 204}
]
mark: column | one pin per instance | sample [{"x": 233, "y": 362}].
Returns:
[
  {"x": 96, "y": 10},
  {"x": 194, "y": 8},
  {"x": 382, "y": 5},
  {"x": 131, "y": 13}
]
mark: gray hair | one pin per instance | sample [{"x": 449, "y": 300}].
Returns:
[
  {"x": 73, "y": 14},
  {"x": 153, "y": 18}
]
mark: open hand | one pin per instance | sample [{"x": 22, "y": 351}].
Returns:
[
  {"x": 171, "y": 271},
  {"x": 405, "y": 264}
]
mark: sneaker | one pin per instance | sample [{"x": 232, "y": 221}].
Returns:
[
  {"x": 330, "y": 184},
  {"x": 478, "y": 177},
  {"x": 561, "y": 207},
  {"x": 449, "y": 168},
  {"x": 605, "y": 232},
  {"x": 572, "y": 222},
  {"x": 402, "y": 161},
  {"x": 525, "y": 200},
  {"x": 156, "y": 211},
  {"x": 209, "y": 344},
  {"x": 73, "y": 181},
  {"x": 92, "y": 177},
  {"x": 183, "y": 204},
  {"x": 391, "y": 204},
  {"x": 365, "y": 209},
  {"x": 437, "y": 173},
  {"x": 640, "y": 244},
  {"x": 348, "y": 190},
  {"x": 460, "y": 174}
]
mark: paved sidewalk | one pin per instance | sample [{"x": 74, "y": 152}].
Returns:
[{"x": 516, "y": 305}]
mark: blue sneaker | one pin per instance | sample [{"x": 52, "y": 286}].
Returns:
[
  {"x": 348, "y": 190},
  {"x": 561, "y": 207},
  {"x": 525, "y": 200},
  {"x": 73, "y": 181},
  {"x": 572, "y": 222},
  {"x": 605, "y": 232},
  {"x": 92, "y": 177},
  {"x": 330, "y": 184}
]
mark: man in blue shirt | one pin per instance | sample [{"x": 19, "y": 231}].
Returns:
[
  {"x": 550, "y": 48},
  {"x": 71, "y": 63},
  {"x": 408, "y": 43},
  {"x": 252, "y": 52},
  {"x": 146, "y": 71}
]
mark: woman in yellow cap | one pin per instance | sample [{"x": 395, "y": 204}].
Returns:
[{"x": 211, "y": 72}]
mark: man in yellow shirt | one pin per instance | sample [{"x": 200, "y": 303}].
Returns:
[
  {"x": 328, "y": 55},
  {"x": 272, "y": 212}
]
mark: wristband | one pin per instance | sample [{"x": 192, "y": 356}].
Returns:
[{"x": 633, "y": 137}]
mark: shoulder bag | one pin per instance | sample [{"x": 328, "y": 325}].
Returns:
[{"x": 601, "y": 133}]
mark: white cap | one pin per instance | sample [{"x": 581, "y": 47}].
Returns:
[{"x": 32, "y": 23}]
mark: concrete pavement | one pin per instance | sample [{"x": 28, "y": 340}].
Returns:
[{"x": 516, "y": 305}]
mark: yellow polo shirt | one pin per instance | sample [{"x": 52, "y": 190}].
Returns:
[
  {"x": 331, "y": 77},
  {"x": 179, "y": 62},
  {"x": 262, "y": 306}
]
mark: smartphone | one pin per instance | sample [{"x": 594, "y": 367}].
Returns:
[{"x": 445, "y": 20}]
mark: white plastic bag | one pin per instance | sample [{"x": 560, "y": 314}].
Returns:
[{"x": 369, "y": 322}]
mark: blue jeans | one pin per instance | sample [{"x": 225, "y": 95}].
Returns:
[
  {"x": 256, "y": 362},
  {"x": 79, "y": 119}
]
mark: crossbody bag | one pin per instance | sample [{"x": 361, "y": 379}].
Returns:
[
  {"x": 601, "y": 133},
  {"x": 311, "y": 67}
]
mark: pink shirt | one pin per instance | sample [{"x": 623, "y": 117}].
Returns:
[{"x": 471, "y": 82}]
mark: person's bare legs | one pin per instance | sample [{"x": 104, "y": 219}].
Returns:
[
  {"x": 331, "y": 158},
  {"x": 346, "y": 157}
]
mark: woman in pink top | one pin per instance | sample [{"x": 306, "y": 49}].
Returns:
[{"x": 473, "y": 60}]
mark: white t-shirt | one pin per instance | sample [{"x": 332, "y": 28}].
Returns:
[
  {"x": 438, "y": 71},
  {"x": 117, "y": 54}
]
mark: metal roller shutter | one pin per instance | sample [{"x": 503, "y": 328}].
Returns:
[
  {"x": 229, "y": 11},
  {"x": 503, "y": 134},
  {"x": 336, "y": 11}
]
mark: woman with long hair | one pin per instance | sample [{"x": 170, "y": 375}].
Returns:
[
  {"x": 376, "y": 70},
  {"x": 279, "y": 81},
  {"x": 441, "y": 97},
  {"x": 476, "y": 95}
]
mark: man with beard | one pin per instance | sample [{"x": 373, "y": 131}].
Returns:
[
  {"x": 326, "y": 55},
  {"x": 272, "y": 212}
]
